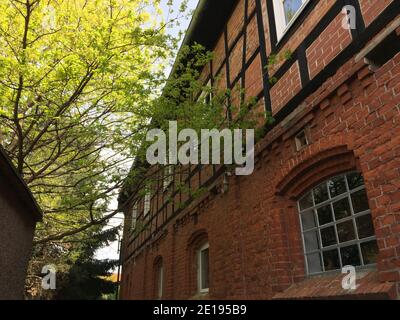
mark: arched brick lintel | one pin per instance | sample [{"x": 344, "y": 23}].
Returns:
[
  {"x": 197, "y": 239},
  {"x": 158, "y": 260},
  {"x": 316, "y": 169}
]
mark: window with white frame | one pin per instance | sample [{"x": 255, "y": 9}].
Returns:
[
  {"x": 134, "y": 216},
  {"x": 286, "y": 12},
  {"x": 147, "y": 203},
  {"x": 206, "y": 95},
  {"x": 336, "y": 225},
  {"x": 160, "y": 280},
  {"x": 203, "y": 269},
  {"x": 168, "y": 176}
]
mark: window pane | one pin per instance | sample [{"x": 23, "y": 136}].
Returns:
[
  {"x": 306, "y": 201},
  {"x": 365, "y": 227},
  {"x": 321, "y": 193},
  {"x": 346, "y": 231},
  {"x": 369, "y": 251},
  {"x": 308, "y": 220},
  {"x": 332, "y": 231},
  {"x": 350, "y": 256},
  {"x": 328, "y": 237},
  {"x": 331, "y": 260},
  {"x": 301, "y": 140},
  {"x": 314, "y": 263},
  {"x": 324, "y": 215},
  {"x": 311, "y": 241},
  {"x": 341, "y": 209},
  {"x": 160, "y": 282},
  {"x": 355, "y": 180},
  {"x": 168, "y": 176},
  {"x": 147, "y": 199},
  {"x": 360, "y": 201},
  {"x": 208, "y": 98},
  {"x": 291, "y": 7},
  {"x": 337, "y": 186},
  {"x": 134, "y": 216},
  {"x": 204, "y": 269}
]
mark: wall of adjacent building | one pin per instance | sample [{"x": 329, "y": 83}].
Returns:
[{"x": 16, "y": 236}]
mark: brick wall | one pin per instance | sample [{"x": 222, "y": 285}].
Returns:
[
  {"x": 372, "y": 8},
  {"x": 328, "y": 45},
  {"x": 286, "y": 88}
]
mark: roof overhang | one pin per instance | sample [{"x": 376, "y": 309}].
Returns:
[
  {"x": 16, "y": 183},
  {"x": 208, "y": 21}
]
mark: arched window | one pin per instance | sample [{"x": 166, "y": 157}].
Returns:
[
  {"x": 134, "y": 214},
  {"x": 159, "y": 278},
  {"x": 336, "y": 225},
  {"x": 147, "y": 202},
  {"x": 203, "y": 269},
  {"x": 199, "y": 276}
]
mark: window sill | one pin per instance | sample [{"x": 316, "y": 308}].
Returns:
[
  {"x": 201, "y": 296},
  {"x": 330, "y": 287},
  {"x": 361, "y": 271}
]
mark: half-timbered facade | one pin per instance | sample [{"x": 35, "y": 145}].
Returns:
[{"x": 325, "y": 192}]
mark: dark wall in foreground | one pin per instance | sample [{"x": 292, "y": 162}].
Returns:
[{"x": 16, "y": 235}]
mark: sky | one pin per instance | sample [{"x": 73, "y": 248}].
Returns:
[{"x": 111, "y": 251}]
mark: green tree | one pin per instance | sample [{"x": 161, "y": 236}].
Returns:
[
  {"x": 76, "y": 81},
  {"x": 88, "y": 277}
]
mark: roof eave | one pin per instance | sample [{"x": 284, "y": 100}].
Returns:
[{"x": 23, "y": 191}]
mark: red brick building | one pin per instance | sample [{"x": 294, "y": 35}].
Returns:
[{"x": 325, "y": 191}]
